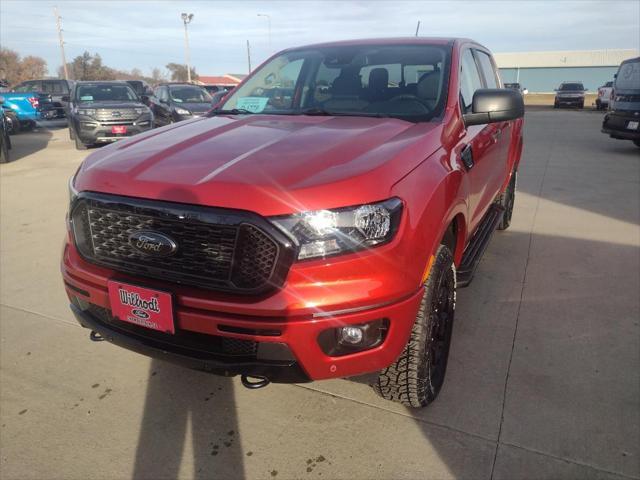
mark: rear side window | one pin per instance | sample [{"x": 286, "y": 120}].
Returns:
[
  {"x": 488, "y": 70},
  {"x": 469, "y": 79},
  {"x": 629, "y": 76}
]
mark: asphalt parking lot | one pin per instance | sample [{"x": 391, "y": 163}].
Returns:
[{"x": 542, "y": 381}]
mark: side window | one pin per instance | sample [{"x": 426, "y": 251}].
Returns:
[
  {"x": 469, "y": 79},
  {"x": 488, "y": 70}
]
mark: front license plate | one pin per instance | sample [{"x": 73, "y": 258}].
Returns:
[
  {"x": 633, "y": 125},
  {"x": 119, "y": 129},
  {"x": 141, "y": 306}
]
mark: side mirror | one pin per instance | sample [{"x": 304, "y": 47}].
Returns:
[
  {"x": 492, "y": 105},
  {"x": 65, "y": 98}
]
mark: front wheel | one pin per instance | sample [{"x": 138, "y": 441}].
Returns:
[
  {"x": 507, "y": 200},
  {"x": 416, "y": 377}
]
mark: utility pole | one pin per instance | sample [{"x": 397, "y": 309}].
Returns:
[
  {"x": 268, "y": 26},
  {"x": 186, "y": 19},
  {"x": 249, "y": 55},
  {"x": 61, "y": 40},
  {"x": 418, "y": 28}
]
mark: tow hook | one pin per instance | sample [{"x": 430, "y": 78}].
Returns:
[
  {"x": 95, "y": 336},
  {"x": 253, "y": 385}
]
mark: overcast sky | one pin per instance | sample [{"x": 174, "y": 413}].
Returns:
[{"x": 147, "y": 34}]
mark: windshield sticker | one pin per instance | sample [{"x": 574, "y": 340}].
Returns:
[
  {"x": 86, "y": 98},
  {"x": 252, "y": 104}
]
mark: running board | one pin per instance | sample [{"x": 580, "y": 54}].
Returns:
[{"x": 478, "y": 244}]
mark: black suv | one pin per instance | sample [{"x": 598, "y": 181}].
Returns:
[
  {"x": 56, "y": 89},
  {"x": 103, "y": 112},
  {"x": 173, "y": 102},
  {"x": 570, "y": 93}
]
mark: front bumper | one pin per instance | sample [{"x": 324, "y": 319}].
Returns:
[
  {"x": 213, "y": 314},
  {"x": 569, "y": 100},
  {"x": 91, "y": 131},
  {"x": 616, "y": 125}
]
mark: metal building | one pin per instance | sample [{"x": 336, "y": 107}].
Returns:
[{"x": 544, "y": 71}]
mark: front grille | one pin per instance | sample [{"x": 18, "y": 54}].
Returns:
[
  {"x": 214, "y": 344},
  {"x": 104, "y": 114},
  {"x": 216, "y": 249}
]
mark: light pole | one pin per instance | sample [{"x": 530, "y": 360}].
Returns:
[
  {"x": 186, "y": 18},
  {"x": 268, "y": 26}
]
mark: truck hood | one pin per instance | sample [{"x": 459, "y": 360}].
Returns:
[
  {"x": 270, "y": 164},
  {"x": 110, "y": 105}
]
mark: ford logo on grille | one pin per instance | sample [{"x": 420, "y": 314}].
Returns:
[{"x": 153, "y": 243}]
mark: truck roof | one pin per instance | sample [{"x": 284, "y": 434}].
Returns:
[{"x": 389, "y": 41}]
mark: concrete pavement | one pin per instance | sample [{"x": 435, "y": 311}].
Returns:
[{"x": 542, "y": 381}]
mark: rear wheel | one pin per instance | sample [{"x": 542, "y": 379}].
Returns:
[
  {"x": 15, "y": 123},
  {"x": 507, "y": 200},
  {"x": 416, "y": 377}
]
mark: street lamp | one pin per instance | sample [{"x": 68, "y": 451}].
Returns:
[
  {"x": 269, "y": 26},
  {"x": 186, "y": 18}
]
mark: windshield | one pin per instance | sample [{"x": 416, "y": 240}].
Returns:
[
  {"x": 402, "y": 81},
  {"x": 105, "y": 93},
  {"x": 629, "y": 76},
  {"x": 572, "y": 87},
  {"x": 189, "y": 94}
]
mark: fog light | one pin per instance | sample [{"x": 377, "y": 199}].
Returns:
[
  {"x": 351, "y": 335},
  {"x": 339, "y": 341}
]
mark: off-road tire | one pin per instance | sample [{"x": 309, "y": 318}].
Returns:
[
  {"x": 79, "y": 144},
  {"x": 507, "y": 200},
  {"x": 415, "y": 378}
]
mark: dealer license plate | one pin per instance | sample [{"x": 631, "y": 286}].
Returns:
[{"x": 141, "y": 306}]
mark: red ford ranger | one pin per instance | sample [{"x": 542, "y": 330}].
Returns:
[{"x": 314, "y": 225}]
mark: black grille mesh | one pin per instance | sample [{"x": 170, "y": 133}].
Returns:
[{"x": 240, "y": 256}]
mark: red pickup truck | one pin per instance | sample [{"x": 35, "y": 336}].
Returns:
[{"x": 314, "y": 225}]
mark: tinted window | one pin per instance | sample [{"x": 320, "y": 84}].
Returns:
[
  {"x": 28, "y": 87},
  {"x": 104, "y": 92},
  {"x": 469, "y": 79},
  {"x": 629, "y": 76},
  {"x": 487, "y": 69},
  {"x": 189, "y": 94},
  {"x": 404, "y": 81},
  {"x": 53, "y": 87},
  {"x": 572, "y": 87}
]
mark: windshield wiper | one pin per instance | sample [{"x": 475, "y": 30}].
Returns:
[
  {"x": 232, "y": 111},
  {"x": 323, "y": 112}
]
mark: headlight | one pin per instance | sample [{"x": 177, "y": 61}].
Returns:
[
  {"x": 323, "y": 233},
  {"x": 73, "y": 193},
  {"x": 182, "y": 111},
  {"x": 86, "y": 111}
]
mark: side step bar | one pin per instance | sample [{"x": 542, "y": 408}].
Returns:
[{"x": 478, "y": 244}]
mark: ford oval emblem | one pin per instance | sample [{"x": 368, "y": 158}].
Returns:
[
  {"x": 140, "y": 313},
  {"x": 153, "y": 243}
]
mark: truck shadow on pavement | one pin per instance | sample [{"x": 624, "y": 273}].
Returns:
[
  {"x": 181, "y": 402},
  {"x": 24, "y": 144}
]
